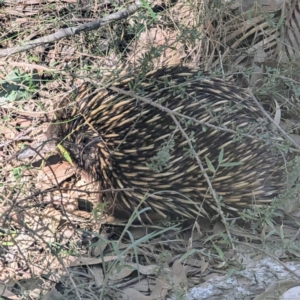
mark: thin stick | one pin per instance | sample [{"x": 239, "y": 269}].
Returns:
[{"x": 65, "y": 32}]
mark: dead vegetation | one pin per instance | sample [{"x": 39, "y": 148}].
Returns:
[{"x": 55, "y": 243}]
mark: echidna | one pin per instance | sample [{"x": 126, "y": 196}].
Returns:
[{"x": 124, "y": 142}]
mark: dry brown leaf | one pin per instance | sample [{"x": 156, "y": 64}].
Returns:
[
  {"x": 8, "y": 132},
  {"x": 160, "y": 290},
  {"x": 194, "y": 262},
  {"x": 178, "y": 275},
  {"x": 121, "y": 272},
  {"x": 198, "y": 228},
  {"x": 219, "y": 228},
  {"x": 204, "y": 265},
  {"x": 81, "y": 214},
  {"x": 6, "y": 274},
  {"x": 52, "y": 175},
  {"x": 87, "y": 261},
  {"x": 22, "y": 122}
]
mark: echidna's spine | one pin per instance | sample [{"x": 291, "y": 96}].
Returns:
[{"x": 126, "y": 143}]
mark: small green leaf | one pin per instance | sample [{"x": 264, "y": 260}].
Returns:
[
  {"x": 210, "y": 165},
  {"x": 16, "y": 173},
  {"x": 146, "y": 5},
  {"x": 65, "y": 154},
  {"x": 281, "y": 232},
  {"x": 219, "y": 250},
  {"x": 187, "y": 255},
  {"x": 7, "y": 244},
  {"x": 221, "y": 156}
]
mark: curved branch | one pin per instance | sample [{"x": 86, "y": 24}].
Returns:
[{"x": 65, "y": 32}]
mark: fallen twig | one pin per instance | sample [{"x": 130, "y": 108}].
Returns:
[{"x": 65, "y": 32}]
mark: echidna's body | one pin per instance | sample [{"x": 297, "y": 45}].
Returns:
[{"x": 115, "y": 137}]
